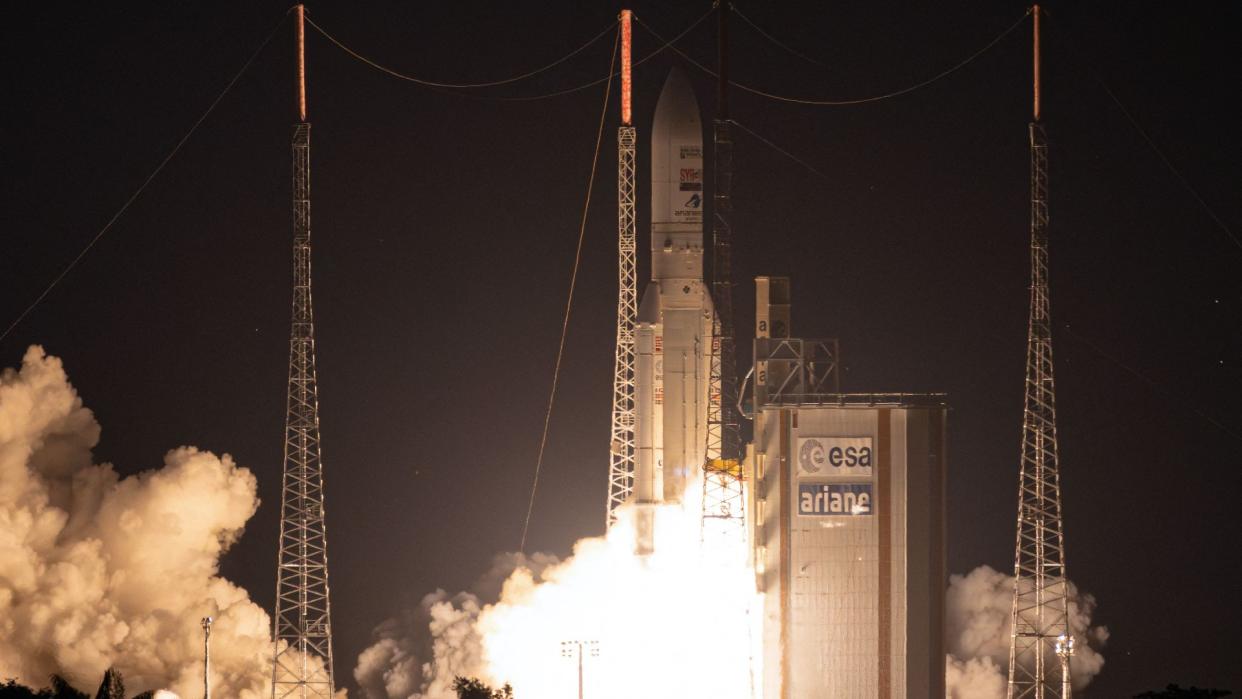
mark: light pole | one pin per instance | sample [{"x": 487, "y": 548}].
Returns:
[
  {"x": 578, "y": 649},
  {"x": 1065, "y": 649},
  {"x": 207, "y": 657}
]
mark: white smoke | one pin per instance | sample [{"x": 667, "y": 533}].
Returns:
[
  {"x": 98, "y": 571},
  {"x": 978, "y": 606},
  {"x": 634, "y": 607}
]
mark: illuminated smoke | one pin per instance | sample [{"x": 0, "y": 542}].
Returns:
[
  {"x": 98, "y": 571},
  {"x": 672, "y": 624},
  {"x": 978, "y": 608}
]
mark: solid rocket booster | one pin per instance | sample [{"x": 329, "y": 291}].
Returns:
[{"x": 674, "y": 331}]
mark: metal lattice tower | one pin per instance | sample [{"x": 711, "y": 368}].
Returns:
[
  {"x": 724, "y": 499},
  {"x": 1040, "y": 643},
  {"x": 302, "y": 631},
  {"x": 621, "y": 450}
]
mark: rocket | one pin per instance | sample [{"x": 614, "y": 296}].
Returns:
[{"x": 673, "y": 334}]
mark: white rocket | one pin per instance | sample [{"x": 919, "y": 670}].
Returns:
[{"x": 674, "y": 331}]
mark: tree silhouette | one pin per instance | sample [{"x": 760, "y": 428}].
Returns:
[
  {"x": 1173, "y": 691},
  {"x": 473, "y": 688},
  {"x": 60, "y": 689}
]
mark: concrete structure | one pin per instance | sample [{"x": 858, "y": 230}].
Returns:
[{"x": 847, "y": 524}]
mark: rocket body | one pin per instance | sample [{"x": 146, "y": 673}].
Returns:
[{"x": 674, "y": 332}]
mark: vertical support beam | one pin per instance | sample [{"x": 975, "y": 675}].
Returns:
[
  {"x": 627, "y": 54},
  {"x": 1035, "y": 14},
  {"x": 301, "y": 17},
  {"x": 786, "y": 553},
  {"x": 722, "y": 59},
  {"x": 884, "y": 569},
  {"x": 621, "y": 459}
]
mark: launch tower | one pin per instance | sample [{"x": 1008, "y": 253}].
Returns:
[
  {"x": 302, "y": 631},
  {"x": 621, "y": 451},
  {"x": 724, "y": 499},
  {"x": 1040, "y": 645}
]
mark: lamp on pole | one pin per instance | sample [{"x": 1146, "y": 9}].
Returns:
[
  {"x": 207, "y": 657},
  {"x": 578, "y": 649},
  {"x": 1065, "y": 649}
]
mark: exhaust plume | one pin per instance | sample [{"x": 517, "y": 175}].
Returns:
[
  {"x": 99, "y": 571},
  {"x": 679, "y": 614}
]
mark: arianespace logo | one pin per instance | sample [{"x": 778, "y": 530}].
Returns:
[
  {"x": 826, "y": 499},
  {"x": 835, "y": 456}
]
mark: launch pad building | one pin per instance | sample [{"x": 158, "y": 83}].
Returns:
[{"x": 847, "y": 513}]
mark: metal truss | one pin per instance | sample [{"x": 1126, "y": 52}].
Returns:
[
  {"x": 302, "y": 631},
  {"x": 1040, "y": 644},
  {"x": 724, "y": 497},
  {"x": 621, "y": 448},
  {"x": 797, "y": 371}
]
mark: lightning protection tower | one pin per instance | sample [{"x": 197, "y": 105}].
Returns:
[
  {"x": 1040, "y": 644},
  {"x": 621, "y": 451},
  {"x": 302, "y": 632},
  {"x": 724, "y": 499}
]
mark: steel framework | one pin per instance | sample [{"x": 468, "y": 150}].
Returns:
[
  {"x": 1040, "y": 643},
  {"x": 621, "y": 452},
  {"x": 724, "y": 498},
  {"x": 302, "y": 631},
  {"x": 621, "y": 458}
]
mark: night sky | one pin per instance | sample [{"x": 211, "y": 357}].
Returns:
[{"x": 444, "y": 232}]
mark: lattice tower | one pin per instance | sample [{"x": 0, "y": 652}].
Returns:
[
  {"x": 302, "y": 630},
  {"x": 724, "y": 499},
  {"x": 621, "y": 458},
  {"x": 621, "y": 453},
  {"x": 1040, "y": 614}
]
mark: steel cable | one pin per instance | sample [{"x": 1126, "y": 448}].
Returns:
[
  {"x": 778, "y": 149},
  {"x": 158, "y": 168},
  {"x": 569, "y": 302},
  {"x": 846, "y": 102},
  {"x": 1151, "y": 143},
  {"x": 789, "y": 49},
  {"x": 520, "y": 98},
  {"x": 432, "y": 83}
]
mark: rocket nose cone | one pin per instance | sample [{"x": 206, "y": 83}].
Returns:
[
  {"x": 677, "y": 110},
  {"x": 677, "y": 156}
]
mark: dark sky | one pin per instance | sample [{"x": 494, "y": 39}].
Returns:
[{"x": 444, "y": 231}]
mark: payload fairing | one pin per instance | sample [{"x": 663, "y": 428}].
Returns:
[{"x": 674, "y": 331}]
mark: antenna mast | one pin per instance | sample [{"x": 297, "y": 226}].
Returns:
[
  {"x": 621, "y": 450},
  {"x": 1040, "y": 645},
  {"x": 724, "y": 501},
  {"x": 302, "y": 632}
]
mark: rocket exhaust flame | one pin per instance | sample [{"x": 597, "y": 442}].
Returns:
[{"x": 685, "y": 632}]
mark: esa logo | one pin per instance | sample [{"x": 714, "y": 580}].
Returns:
[{"x": 835, "y": 456}]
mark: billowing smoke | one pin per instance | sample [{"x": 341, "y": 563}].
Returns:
[
  {"x": 634, "y": 608},
  {"x": 443, "y": 631},
  {"x": 978, "y": 608},
  {"x": 98, "y": 571}
]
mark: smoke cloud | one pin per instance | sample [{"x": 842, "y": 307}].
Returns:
[
  {"x": 978, "y": 606},
  {"x": 98, "y": 571}
]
